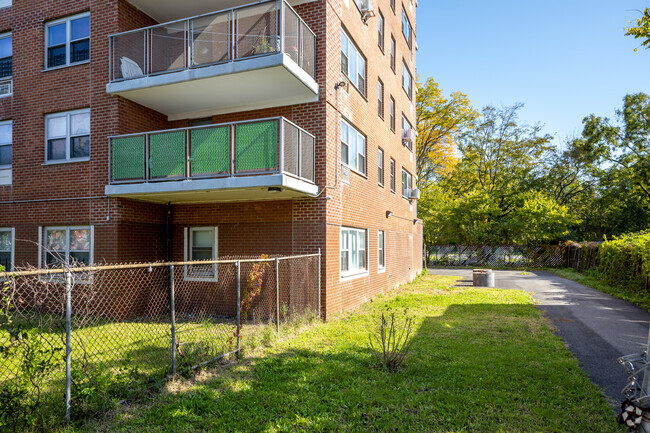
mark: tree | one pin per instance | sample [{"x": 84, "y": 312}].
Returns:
[
  {"x": 642, "y": 29},
  {"x": 440, "y": 120},
  {"x": 625, "y": 145}
]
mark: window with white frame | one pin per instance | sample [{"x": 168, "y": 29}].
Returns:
[
  {"x": 380, "y": 98},
  {"x": 407, "y": 80},
  {"x": 353, "y": 64},
  {"x": 406, "y": 183},
  {"x": 406, "y": 125},
  {"x": 353, "y": 251},
  {"x": 381, "y": 262},
  {"x": 380, "y": 30},
  {"x": 392, "y": 175},
  {"x": 6, "y": 148},
  {"x": 68, "y": 41},
  {"x": 68, "y": 246},
  {"x": 201, "y": 243},
  {"x": 6, "y": 56},
  {"x": 392, "y": 114},
  {"x": 67, "y": 136},
  {"x": 7, "y": 248},
  {"x": 380, "y": 166},
  {"x": 407, "y": 30},
  {"x": 393, "y": 54},
  {"x": 353, "y": 148}
]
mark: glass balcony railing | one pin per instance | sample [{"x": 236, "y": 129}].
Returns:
[
  {"x": 268, "y": 146},
  {"x": 225, "y": 36}
]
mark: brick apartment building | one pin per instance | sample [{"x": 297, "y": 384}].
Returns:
[{"x": 151, "y": 130}]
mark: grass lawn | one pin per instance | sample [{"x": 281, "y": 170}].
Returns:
[
  {"x": 483, "y": 360},
  {"x": 639, "y": 297}
]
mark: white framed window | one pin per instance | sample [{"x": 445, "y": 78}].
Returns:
[
  {"x": 392, "y": 114},
  {"x": 353, "y": 251},
  {"x": 7, "y": 241},
  {"x": 67, "y": 41},
  {"x": 407, "y": 30},
  {"x": 406, "y": 183},
  {"x": 353, "y": 148},
  {"x": 201, "y": 243},
  {"x": 381, "y": 261},
  {"x": 6, "y": 147},
  {"x": 393, "y": 54},
  {"x": 380, "y": 31},
  {"x": 407, "y": 80},
  {"x": 392, "y": 175},
  {"x": 6, "y": 56},
  {"x": 380, "y": 98},
  {"x": 68, "y": 246},
  {"x": 67, "y": 136},
  {"x": 353, "y": 64},
  {"x": 380, "y": 166},
  {"x": 406, "y": 125}
]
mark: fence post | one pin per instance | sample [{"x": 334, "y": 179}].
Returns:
[
  {"x": 320, "y": 314},
  {"x": 68, "y": 344},
  {"x": 277, "y": 295},
  {"x": 238, "y": 265},
  {"x": 172, "y": 307}
]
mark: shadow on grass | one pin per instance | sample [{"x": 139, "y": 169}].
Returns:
[{"x": 475, "y": 368}]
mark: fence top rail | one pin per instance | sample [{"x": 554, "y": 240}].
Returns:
[{"x": 79, "y": 269}]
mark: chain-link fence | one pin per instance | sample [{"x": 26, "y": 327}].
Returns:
[
  {"x": 516, "y": 256},
  {"x": 74, "y": 342}
]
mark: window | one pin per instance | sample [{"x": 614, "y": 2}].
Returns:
[
  {"x": 380, "y": 166},
  {"x": 7, "y": 249},
  {"x": 201, "y": 244},
  {"x": 67, "y": 136},
  {"x": 68, "y": 41},
  {"x": 5, "y": 144},
  {"x": 6, "y": 56},
  {"x": 407, "y": 30},
  {"x": 406, "y": 125},
  {"x": 406, "y": 183},
  {"x": 380, "y": 250},
  {"x": 380, "y": 99},
  {"x": 392, "y": 114},
  {"x": 353, "y": 251},
  {"x": 380, "y": 30},
  {"x": 392, "y": 53},
  {"x": 392, "y": 5},
  {"x": 353, "y": 148},
  {"x": 392, "y": 175},
  {"x": 68, "y": 246},
  {"x": 407, "y": 80},
  {"x": 353, "y": 64}
]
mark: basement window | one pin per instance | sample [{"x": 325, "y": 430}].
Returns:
[{"x": 200, "y": 245}]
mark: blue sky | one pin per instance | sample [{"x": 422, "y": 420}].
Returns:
[{"x": 564, "y": 59}]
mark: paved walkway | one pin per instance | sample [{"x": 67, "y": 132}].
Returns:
[{"x": 596, "y": 327}]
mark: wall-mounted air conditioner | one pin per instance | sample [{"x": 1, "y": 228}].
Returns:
[
  {"x": 5, "y": 88},
  {"x": 408, "y": 135},
  {"x": 345, "y": 174},
  {"x": 367, "y": 10},
  {"x": 414, "y": 194}
]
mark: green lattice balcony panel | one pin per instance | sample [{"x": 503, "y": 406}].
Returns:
[
  {"x": 210, "y": 151},
  {"x": 128, "y": 158},
  {"x": 167, "y": 154},
  {"x": 256, "y": 147}
]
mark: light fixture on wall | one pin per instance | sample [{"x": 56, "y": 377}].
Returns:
[
  {"x": 389, "y": 214},
  {"x": 274, "y": 189}
]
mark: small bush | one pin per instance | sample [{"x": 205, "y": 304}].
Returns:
[{"x": 391, "y": 340}]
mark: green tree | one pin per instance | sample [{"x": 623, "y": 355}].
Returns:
[{"x": 642, "y": 29}]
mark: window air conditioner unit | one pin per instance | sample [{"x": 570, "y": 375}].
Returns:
[
  {"x": 367, "y": 10},
  {"x": 5, "y": 88},
  {"x": 414, "y": 194},
  {"x": 408, "y": 135},
  {"x": 345, "y": 174}
]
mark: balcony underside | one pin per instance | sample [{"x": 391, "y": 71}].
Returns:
[
  {"x": 248, "y": 84},
  {"x": 229, "y": 189},
  {"x": 169, "y": 10}
]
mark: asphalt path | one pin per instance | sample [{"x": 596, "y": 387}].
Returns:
[{"x": 597, "y": 328}]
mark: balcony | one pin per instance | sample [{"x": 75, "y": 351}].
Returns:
[
  {"x": 248, "y": 57},
  {"x": 267, "y": 159}
]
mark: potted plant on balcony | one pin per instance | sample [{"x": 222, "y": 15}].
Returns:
[{"x": 262, "y": 46}]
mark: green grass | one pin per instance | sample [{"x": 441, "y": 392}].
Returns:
[
  {"x": 640, "y": 298},
  {"x": 483, "y": 360}
]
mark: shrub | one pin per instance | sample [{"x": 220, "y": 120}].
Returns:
[{"x": 391, "y": 341}]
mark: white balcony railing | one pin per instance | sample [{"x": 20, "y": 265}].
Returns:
[
  {"x": 250, "y": 148},
  {"x": 230, "y": 35}
]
